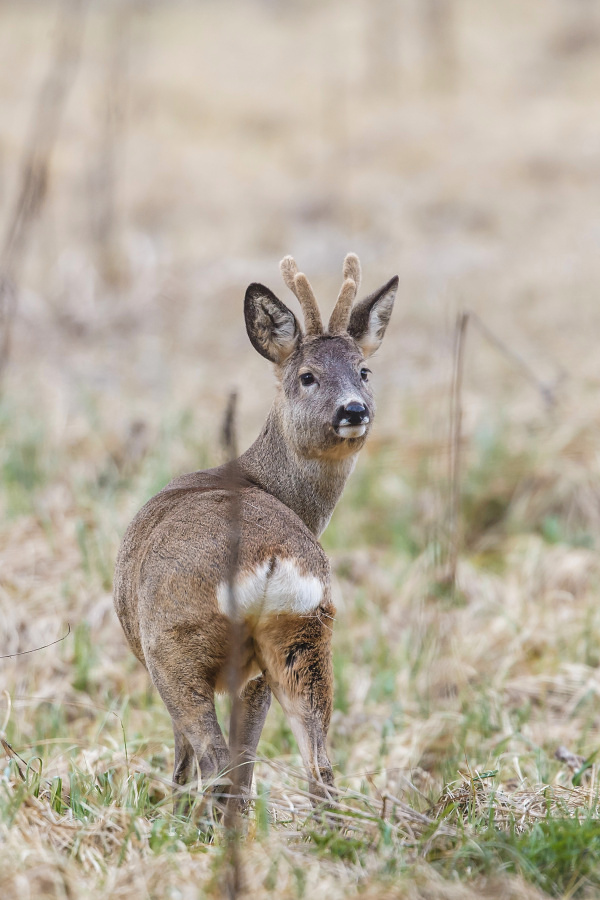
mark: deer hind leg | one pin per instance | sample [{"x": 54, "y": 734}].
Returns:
[
  {"x": 204, "y": 734},
  {"x": 184, "y": 773},
  {"x": 195, "y": 719},
  {"x": 186, "y": 687},
  {"x": 255, "y": 703},
  {"x": 297, "y": 655}
]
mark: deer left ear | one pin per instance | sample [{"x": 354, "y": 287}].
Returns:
[
  {"x": 271, "y": 326},
  {"x": 369, "y": 318}
]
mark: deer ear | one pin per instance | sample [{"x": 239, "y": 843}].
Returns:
[
  {"x": 369, "y": 318},
  {"x": 272, "y": 328}
]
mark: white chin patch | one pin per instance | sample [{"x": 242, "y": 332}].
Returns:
[{"x": 351, "y": 431}]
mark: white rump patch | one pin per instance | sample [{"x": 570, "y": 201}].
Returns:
[{"x": 268, "y": 592}]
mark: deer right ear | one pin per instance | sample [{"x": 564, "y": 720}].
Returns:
[
  {"x": 272, "y": 328},
  {"x": 370, "y": 318}
]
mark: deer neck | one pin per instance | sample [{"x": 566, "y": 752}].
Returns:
[{"x": 309, "y": 487}]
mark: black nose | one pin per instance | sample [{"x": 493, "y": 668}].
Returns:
[{"x": 352, "y": 414}]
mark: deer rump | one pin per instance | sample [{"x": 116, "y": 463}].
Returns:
[{"x": 172, "y": 562}]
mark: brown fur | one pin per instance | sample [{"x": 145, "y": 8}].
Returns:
[{"x": 173, "y": 562}]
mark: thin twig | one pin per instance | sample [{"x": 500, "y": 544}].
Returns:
[
  {"x": 43, "y": 647},
  {"x": 455, "y": 444},
  {"x": 439, "y": 27},
  {"x": 8, "y": 711},
  {"x": 547, "y": 391},
  {"x": 12, "y": 754},
  {"x": 104, "y": 180},
  {"x": 233, "y": 883},
  {"x": 35, "y": 163}
]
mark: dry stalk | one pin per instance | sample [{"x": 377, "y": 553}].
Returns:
[
  {"x": 383, "y": 30},
  {"x": 518, "y": 809},
  {"x": 455, "y": 445},
  {"x": 547, "y": 391},
  {"x": 352, "y": 809},
  {"x": 11, "y": 753},
  {"x": 7, "y": 714},
  {"x": 35, "y": 162},
  {"x": 439, "y": 28},
  {"x": 104, "y": 180},
  {"x": 43, "y": 647},
  {"x": 233, "y": 876}
]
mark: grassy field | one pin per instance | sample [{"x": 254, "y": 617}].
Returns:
[{"x": 199, "y": 144}]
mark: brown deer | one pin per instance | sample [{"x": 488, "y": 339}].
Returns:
[{"x": 172, "y": 591}]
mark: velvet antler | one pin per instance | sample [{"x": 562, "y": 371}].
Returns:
[
  {"x": 338, "y": 323},
  {"x": 299, "y": 285}
]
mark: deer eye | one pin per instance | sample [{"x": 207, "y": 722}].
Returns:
[
  {"x": 307, "y": 378},
  {"x": 364, "y": 374}
]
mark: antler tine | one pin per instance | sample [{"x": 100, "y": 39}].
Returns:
[
  {"x": 352, "y": 268},
  {"x": 289, "y": 270},
  {"x": 338, "y": 323},
  {"x": 299, "y": 285}
]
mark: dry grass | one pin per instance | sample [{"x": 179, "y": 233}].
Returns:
[{"x": 468, "y": 162}]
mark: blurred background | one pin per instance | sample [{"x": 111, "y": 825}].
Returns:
[
  {"x": 156, "y": 158},
  {"x": 453, "y": 142}
]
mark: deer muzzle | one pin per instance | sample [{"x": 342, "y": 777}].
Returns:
[{"x": 351, "y": 420}]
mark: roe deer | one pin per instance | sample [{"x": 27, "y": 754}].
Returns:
[{"x": 172, "y": 583}]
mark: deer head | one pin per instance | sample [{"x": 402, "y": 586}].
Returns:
[{"x": 324, "y": 399}]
